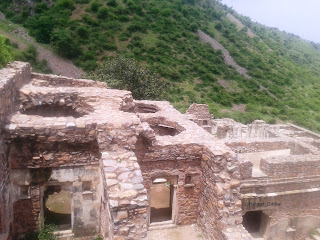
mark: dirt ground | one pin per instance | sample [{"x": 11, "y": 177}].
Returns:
[{"x": 189, "y": 232}]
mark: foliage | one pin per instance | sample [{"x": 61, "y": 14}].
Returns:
[
  {"x": 46, "y": 232},
  {"x": 125, "y": 73},
  {"x": 161, "y": 35},
  {"x": 30, "y": 55},
  {"x": 99, "y": 237},
  {"x": 64, "y": 43},
  {"x": 6, "y": 54}
]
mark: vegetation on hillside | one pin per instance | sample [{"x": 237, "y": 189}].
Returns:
[
  {"x": 161, "y": 34},
  {"x": 6, "y": 53},
  {"x": 10, "y": 52},
  {"x": 128, "y": 74}
]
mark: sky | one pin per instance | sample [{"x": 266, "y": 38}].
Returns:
[{"x": 300, "y": 17}]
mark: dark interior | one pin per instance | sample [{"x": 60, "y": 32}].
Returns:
[{"x": 252, "y": 221}]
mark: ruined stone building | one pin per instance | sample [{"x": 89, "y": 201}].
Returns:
[{"x": 108, "y": 151}]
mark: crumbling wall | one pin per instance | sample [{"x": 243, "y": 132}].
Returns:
[
  {"x": 34, "y": 153},
  {"x": 291, "y": 166},
  {"x": 199, "y": 113},
  {"x": 293, "y": 214},
  {"x": 28, "y": 206},
  {"x": 219, "y": 203},
  {"x": 26, "y": 213},
  {"x": 187, "y": 195},
  {"x": 230, "y": 129},
  {"x": 46, "y": 80},
  {"x": 11, "y": 80}
]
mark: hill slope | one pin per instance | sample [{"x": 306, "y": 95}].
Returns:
[{"x": 283, "y": 70}]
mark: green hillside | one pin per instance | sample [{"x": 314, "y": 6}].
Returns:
[{"x": 162, "y": 34}]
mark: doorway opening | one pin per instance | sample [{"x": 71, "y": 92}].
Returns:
[
  {"x": 161, "y": 200},
  {"x": 57, "y": 207},
  {"x": 255, "y": 222}
]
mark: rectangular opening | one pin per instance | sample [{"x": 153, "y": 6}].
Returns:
[
  {"x": 255, "y": 223},
  {"x": 57, "y": 207},
  {"x": 188, "y": 180},
  {"x": 86, "y": 186},
  {"x": 24, "y": 191},
  {"x": 161, "y": 200}
]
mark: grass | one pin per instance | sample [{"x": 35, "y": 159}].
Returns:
[{"x": 162, "y": 36}]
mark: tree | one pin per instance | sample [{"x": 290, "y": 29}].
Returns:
[
  {"x": 128, "y": 74},
  {"x": 42, "y": 28},
  {"x": 5, "y": 51},
  {"x": 64, "y": 43}
]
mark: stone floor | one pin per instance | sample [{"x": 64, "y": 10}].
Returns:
[{"x": 188, "y": 232}]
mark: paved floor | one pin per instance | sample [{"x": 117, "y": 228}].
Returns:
[{"x": 188, "y": 232}]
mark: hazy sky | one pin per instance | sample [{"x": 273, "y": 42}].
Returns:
[{"x": 301, "y": 17}]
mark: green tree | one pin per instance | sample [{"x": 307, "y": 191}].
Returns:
[
  {"x": 5, "y": 51},
  {"x": 42, "y": 28},
  {"x": 64, "y": 44},
  {"x": 128, "y": 74},
  {"x": 103, "y": 12}
]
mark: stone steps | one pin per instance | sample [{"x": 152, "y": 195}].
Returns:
[{"x": 161, "y": 225}]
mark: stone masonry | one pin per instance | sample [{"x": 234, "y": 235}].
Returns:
[
  {"x": 107, "y": 150},
  {"x": 58, "y": 132},
  {"x": 279, "y": 175}
]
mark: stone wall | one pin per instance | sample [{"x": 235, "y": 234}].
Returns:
[
  {"x": 11, "y": 80},
  {"x": 28, "y": 208},
  {"x": 187, "y": 195},
  {"x": 26, "y": 213},
  {"x": 245, "y": 168},
  {"x": 291, "y": 166},
  {"x": 46, "y": 80},
  {"x": 251, "y": 146},
  {"x": 31, "y": 153},
  {"x": 292, "y": 214},
  {"x": 230, "y": 129},
  {"x": 124, "y": 195},
  {"x": 219, "y": 203}
]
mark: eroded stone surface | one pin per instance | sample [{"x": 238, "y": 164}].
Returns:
[{"x": 107, "y": 149}]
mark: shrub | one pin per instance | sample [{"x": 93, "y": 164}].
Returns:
[
  {"x": 42, "y": 28},
  {"x": 5, "y": 52},
  {"x": 46, "y": 232},
  {"x": 65, "y": 44},
  {"x": 112, "y": 3},
  {"x": 95, "y": 6},
  {"x": 103, "y": 12},
  {"x": 125, "y": 73},
  {"x": 41, "y": 7},
  {"x": 64, "y": 4},
  {"x": 83, "y": 32}
]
